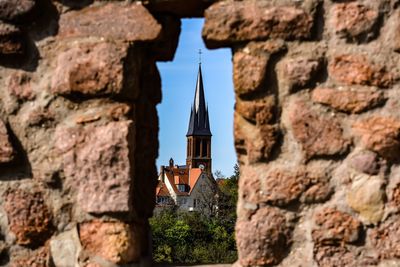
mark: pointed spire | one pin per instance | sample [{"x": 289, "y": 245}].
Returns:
[{"x": 199, "y": 121}]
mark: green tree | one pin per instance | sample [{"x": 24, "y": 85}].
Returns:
[{"x": 193, "y": 237}]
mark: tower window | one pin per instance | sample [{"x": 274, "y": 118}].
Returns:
[
  {"x": 198, "y": 147},
  {"x": 204, "y": 148}
]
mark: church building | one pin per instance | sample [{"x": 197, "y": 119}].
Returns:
[{"x": 191, "y": 187}]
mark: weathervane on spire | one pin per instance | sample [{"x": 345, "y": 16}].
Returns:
[{"x": 200, "y": 56}]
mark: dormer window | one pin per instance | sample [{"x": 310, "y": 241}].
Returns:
[{"x": 183, "y": 188}]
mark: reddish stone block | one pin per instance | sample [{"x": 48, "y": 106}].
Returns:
[
  {"x": 35, "y": 258},
  {"x": 395, "y": 197},
  {"x": 335, "y": 256},
  {"x": 14, "y": 10},
  {"x": 19, "y": 86},
  {"x": 40, "y": 117},
  {"x": 97, "y": 163},
  {"x": 258, "y": 141},
  {"x": 317, "y": 193},
  {"x": 250, "y": 65},
  {"x": 227, "y": 23},
  {"x": 264, "y": 239},
  {"x": 96, "y": 69},
  {"x": 109, "y": 111},
  {"x": 298, "y": 72},
  {"x": 357, "y": 69},
  {"x": 354, "y": 21},
  {"x": 113, "y": 21},
  {"x": 249, "y": 72},
  {"x": 349, "y": 100},
  {"x": 6, "y": 148},
  {"x": 12, "y": 41},
  {"x": 386, "y": 238},
  {"x": 317, "y": 134},
  {"x": 117, "y": 242},
  {"x": 259, "y": 111},
  {"x": 250, "y": 185},
  {"x": 282, "y": 186},
  {"x": 379, "y": 134},
  {"x": 29, "y": 217},
  {"x": 335, "y": 227}
]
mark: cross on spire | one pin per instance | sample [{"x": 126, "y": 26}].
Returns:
[{"x": 200, "y": 56}]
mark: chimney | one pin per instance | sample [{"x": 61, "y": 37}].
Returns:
[{"x": 162, "y": 173}]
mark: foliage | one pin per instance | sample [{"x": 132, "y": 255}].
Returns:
[
  {"x": 191, "y": 237},
  {"x": 194, "y": 237}
]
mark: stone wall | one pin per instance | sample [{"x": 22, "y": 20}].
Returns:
[
  {"x": 79, "y": 130},
  {"x": 317, "y": 128}
]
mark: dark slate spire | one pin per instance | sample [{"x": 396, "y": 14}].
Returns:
[{"x": 199, "y": 122}]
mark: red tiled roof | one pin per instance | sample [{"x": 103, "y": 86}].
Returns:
[
  {"x": 182, "y": 176},
  {"x": 194, "y": 175},
  {"x": 162, "y": 190}
]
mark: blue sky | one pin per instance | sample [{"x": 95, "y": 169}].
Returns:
[{"x": 178, "y": 86}]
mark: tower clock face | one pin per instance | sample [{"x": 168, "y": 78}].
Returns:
[{"x": 201, "y": 166}]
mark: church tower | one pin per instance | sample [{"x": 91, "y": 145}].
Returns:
[{"x": 199, "y": 133}]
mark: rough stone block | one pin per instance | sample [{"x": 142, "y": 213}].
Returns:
[
  {"x": 298, "y": 72},
  {"x": 395, "y": 196},
  {"x": 260, "y": 111},
  {"x": 114, "y": 21},
  {"x": 35, "y": 258},
  {"x": 264, "y": 239},
  {"x": 283, "y": 185},
  {"x": 335, "y": 227},
  {"x": 12, "y": 41},
  {"x": 379, "y": 134},
  {"x": 259, "y": 140},
  {"x": 392, "y": 33},
  {"x": 19, "y": 86},
  {"x": 114, "y": 241},
  {"x": 29, "y": 217},
  {"x": 335, "y": 256},
  {"x": 249, "y": 72},
  {"x": 365, "y": 162},
  {"x": 357, "y": 69},
  {"x": 317, "y": 193},
  {"x": 318, "y": 135},
  {"x": 250, "y": 65},
  {"x": 354, "y": 21},
  {"x": 349, "y": 100},
  {"x": 97, "y": 69},
  {"x": 250, "y": 184},
  {"x": 6, "y": 148},
  {"x": 14, "y": 10},
  {"x": 65, "y": 248},
  {"x": 366, "y": 197},
  {"x": 97, "y": 163},
  {"x": 229, "y": 22},
  {"x": 386, "y": 239}
]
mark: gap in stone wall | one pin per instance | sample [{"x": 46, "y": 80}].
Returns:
[{"x": 178, "y": 87}]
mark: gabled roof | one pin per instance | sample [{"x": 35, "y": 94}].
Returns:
[
  {"x": 184, "y": 176},
  {"x": 162, "y": 190},
  {"x": 199, "y": 123}
]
